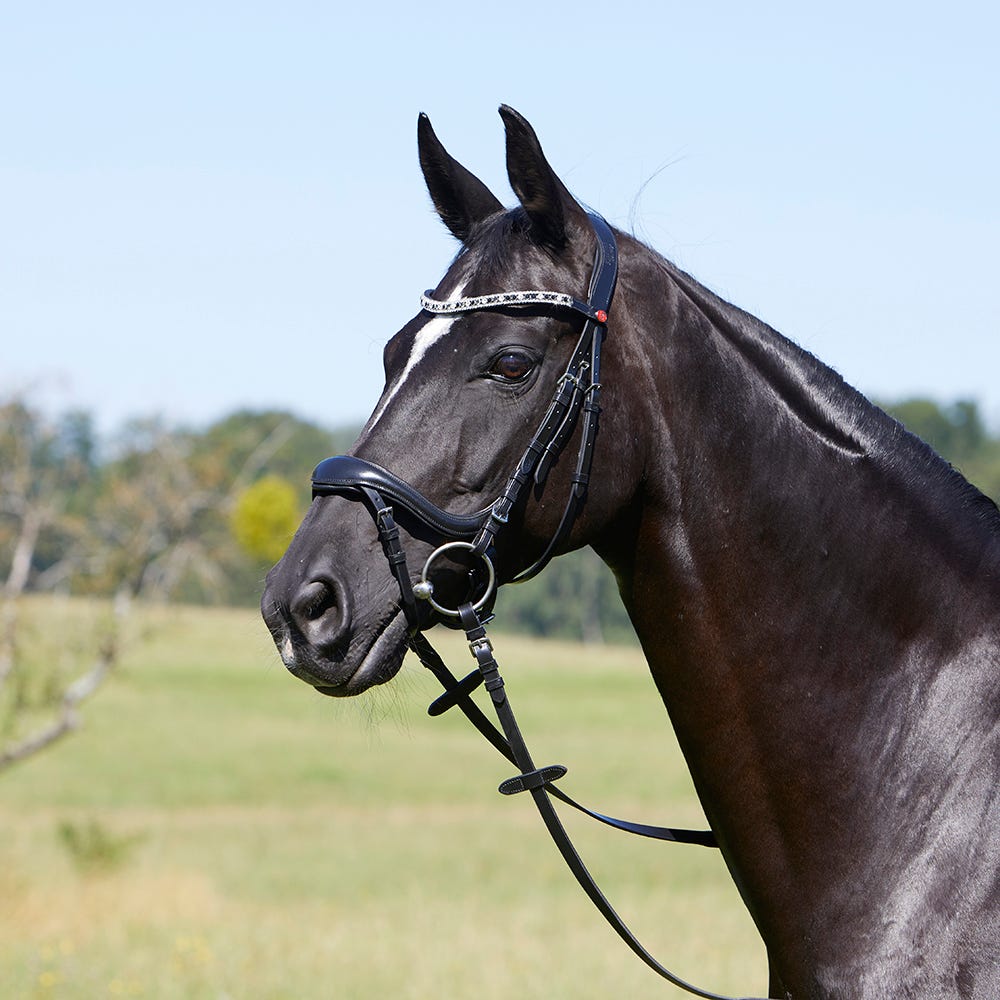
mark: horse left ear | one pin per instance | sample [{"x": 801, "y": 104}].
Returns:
[
  {"x": 461, "y": 199},
  {"x": 544, "y": 197}
]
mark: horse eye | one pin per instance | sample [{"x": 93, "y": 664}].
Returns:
[{"x": 513, "y": 366}]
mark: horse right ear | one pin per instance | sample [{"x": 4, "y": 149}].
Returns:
[
  {"x": 461, "y": 199},
  {"x": 543, "y": 196}
]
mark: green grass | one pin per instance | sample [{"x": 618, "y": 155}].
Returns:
[{"x": 256, "y": 840}]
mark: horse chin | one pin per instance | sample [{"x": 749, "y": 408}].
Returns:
[{"x": 372, "y": 657}]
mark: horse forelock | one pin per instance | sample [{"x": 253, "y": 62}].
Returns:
[{"x": 503, "y": 243}]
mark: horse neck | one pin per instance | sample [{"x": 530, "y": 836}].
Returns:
[
  {"x": 766, "y": 471},
  {"x": 801, "y": 575}
]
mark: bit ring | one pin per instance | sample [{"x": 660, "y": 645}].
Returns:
[{"x": 424, "y": 590}]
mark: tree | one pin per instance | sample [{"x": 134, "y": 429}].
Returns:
[
  {"x": 161, "y": 523},
  {"x": 956, "y": 431},
  {"x": 45, "y": 469},
  {"x": 149, "y": 528},
  {"x": 265, "y": 517},
  {"x": 40, "y": 464},
  {"x": 959, "y": 434},
  {"x": 575, "y": 598}
]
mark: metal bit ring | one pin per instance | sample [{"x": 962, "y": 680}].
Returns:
[{"x": 424, "y": 590}]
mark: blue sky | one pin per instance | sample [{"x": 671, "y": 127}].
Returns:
[{"x": 212, "y": 205}]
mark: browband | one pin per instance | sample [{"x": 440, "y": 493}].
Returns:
[{"x": 501, "y": 300}]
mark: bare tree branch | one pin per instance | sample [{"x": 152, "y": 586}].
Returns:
[
  {"x": 33, "y": 499},
  {"x": 67, "y": 719},
  {"x": 33, "y": 519},
  {"x": 259, "y": 457},
  {"x": 8, "y": 629}
]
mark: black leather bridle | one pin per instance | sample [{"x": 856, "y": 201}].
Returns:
[
  {"x": 576, "y": 390},
  {"x": 475, "y": 535}
]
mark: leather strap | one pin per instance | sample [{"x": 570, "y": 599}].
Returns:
[
  {"x": 538, "y": 782},
  {"x": 457, "y": 694}
]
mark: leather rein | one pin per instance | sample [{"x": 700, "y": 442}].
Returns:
[{"x": 576, "y": 393}]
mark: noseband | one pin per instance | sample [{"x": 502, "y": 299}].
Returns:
[{"x": 475, "y": 534}]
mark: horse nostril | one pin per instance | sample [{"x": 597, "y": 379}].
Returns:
[
  {"x": 314, "y": 600},
  {"x": 320, "y": 612}
]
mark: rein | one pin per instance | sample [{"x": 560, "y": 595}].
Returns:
[{"x": 576, "y": 392}]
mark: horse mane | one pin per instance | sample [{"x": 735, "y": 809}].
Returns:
[{"x": 828, "y": 405}]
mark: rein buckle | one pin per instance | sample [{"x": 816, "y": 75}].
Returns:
[{"x": 481, "y": 645}]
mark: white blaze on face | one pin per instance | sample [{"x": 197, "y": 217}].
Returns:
[{"x": 428, "y": 335}]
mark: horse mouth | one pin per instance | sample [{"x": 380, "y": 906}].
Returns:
[{"x": 365, "y": 664}]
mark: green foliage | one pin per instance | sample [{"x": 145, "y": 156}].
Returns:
[
  {"x": 47, "y": 469},
  {"x": 149, "y": 512},
  {"x": 265, "y": 517},
  {"x": 92, "y": 847},
  {"x": 958, "y": 433},
  {"x": 575, "y": 598},
  {"x": 955, "y": 431},
  {"x": 271, "y": 441}
]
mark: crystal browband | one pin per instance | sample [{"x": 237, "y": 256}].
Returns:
[{"x": 500, "y": 300}]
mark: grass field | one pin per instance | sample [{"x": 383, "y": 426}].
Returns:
[{"x": 217, "y": 830}]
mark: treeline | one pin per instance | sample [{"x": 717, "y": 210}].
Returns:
[
  {"x": 155, "y": 512},
  {"x": 198, "y": 515}
]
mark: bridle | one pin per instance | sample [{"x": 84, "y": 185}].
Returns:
[
  {"x": 474, "y": 535},
  {"x": 576, "y": 390}
]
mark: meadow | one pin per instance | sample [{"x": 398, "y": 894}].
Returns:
[{"x": 217, "y": 830}]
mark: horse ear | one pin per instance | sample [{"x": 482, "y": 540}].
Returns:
[
  {"x": 461, "y": 199},
  {"x": 545, "y": 198}
]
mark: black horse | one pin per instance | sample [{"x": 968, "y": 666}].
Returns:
[{"x": 817, "y": 593}]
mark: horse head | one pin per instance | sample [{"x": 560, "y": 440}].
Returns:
[{"x": 469, "y": 382}]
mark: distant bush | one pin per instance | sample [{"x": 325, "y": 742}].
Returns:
[
  {"x": 265, "y": 517},
  {"x": 93, "y": 848}
]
